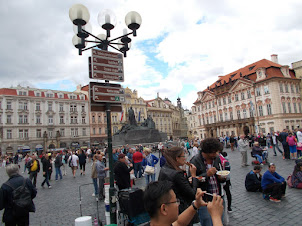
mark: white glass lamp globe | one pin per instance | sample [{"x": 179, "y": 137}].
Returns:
[
  {"x": 79, "y": 14},
  {"x": 107, "y": 19},
  {"x": 133, "y": 21},
  {"x": 77, "y": 42}
]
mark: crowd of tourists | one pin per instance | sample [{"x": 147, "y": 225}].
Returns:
[{"x": 189, "y": 182}]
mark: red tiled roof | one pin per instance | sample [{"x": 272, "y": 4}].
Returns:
[
  {"x": 273, "y": 70},
  {"x": 85, "y": 88},
  {"x": 5, "y": 91},
  {"x": 31, "y": 93}
]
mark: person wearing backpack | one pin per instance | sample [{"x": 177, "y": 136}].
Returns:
[
  {"x": 18, "y": 193},
  {"x": 292, "y": 143}
]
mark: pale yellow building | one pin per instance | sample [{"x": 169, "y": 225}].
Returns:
[{"x": 161, "y": 114}]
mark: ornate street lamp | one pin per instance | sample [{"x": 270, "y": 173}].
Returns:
[{"x": 79, "y": 15}]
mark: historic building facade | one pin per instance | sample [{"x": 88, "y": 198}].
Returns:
[
  {"x": 297, "y": 66},
  {"x": 168, "y": 118},
  {"x": 35, "y": 119},
  {"x": 261, "y": 97},
  {"x": 161, "y": 114},
  {"x": 138, "y": 105}
]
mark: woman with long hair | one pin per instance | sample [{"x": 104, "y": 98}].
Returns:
[
  {"x": 82, "y": 161},
  {"x": 172, "y": 171},
  {"x": 297, "y": 176}
]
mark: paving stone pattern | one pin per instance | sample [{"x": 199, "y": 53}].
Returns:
[{"x": 61, "y": 206}]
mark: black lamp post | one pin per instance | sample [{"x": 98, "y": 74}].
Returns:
[{"x": 79, "y": 15}]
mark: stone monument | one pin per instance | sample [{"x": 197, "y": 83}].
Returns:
[{"x": 131, "y": 133}]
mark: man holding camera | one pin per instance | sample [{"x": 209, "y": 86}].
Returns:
[{"x": 162, "y": 206}]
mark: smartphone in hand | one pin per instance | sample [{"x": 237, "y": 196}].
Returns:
[{"x": 207, "y": 197}]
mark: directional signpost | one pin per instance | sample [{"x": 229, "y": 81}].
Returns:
[
  {"x": 106, "y": 65},
  {"x": 102, "y": 93}
]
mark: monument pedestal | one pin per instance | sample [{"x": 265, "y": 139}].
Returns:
[{"x": 137, "y": 136}]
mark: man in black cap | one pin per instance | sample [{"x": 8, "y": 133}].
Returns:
[{"x": 122, "y": 172}]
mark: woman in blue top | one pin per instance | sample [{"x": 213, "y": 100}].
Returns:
[{"x": 150, "y": 160}]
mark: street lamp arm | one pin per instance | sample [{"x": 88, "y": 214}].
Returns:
[
  {"x": 92, "y": 35},
  {"x": 93, "y": 41},
  {"x": 125, "y": 35},
  {"x": 124, "y": 52},
  {"x": 90, "y": 47},
  {"x": 115, "y": 48}
]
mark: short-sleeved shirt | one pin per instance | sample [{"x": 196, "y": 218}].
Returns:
[{"x": 74, "y": 160}]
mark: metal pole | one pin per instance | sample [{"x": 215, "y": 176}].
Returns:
[{"x": 112, "y": 189}]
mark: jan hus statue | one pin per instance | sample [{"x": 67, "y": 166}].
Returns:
[{"x": 131, "y": 116}]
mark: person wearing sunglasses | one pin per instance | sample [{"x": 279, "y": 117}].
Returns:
[{"x": 162, "y": 206}]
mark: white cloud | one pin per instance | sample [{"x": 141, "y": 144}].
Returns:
[{"x": 199, "y": 41}]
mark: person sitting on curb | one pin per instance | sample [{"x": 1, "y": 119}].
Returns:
[
  {"x": 162, "y": 206},
  {"x": 253, "y": 180},
  {"x": 297, "y": 176},
  {"x": 257, "y": 151},
  {"x": 274, "y": 184}
]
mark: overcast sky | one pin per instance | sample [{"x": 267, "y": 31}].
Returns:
[{"x": 181, "y": 47}]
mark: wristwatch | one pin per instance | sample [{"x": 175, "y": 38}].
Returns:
[{"x": 193, "y": 204}]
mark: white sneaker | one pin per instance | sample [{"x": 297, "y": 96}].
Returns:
[{"x": 93, "y": 194}]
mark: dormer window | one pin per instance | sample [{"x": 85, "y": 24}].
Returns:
[
  {"x": 22, "y": 93},
  {"x": 260, "y": 73},
  {"x": 71, "y": 96},
  {"x": 285, "y": 71},
  {"x": 37, "y": 94},
  {"x": 60, "y": 95},
  {"x": 49, "y": 95}
]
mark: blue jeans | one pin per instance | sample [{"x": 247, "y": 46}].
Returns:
[
  {"x": 95, "y": 184},
  {"x": 46, "y": 180},
  {"x": 268, "y": 144},
  {"x": 148, "y": 177},
  {"x": 138, "y": 169},
  {"x": 58, "y": 172},
  {"x": 274, "y": 148},
  {"x": 205, "y": 217},
  {"x": 259, "y": 158}
]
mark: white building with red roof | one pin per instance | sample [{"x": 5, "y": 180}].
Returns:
[
  {"x": 36, "y": 119},
  {"x": 261, "y": 97}
]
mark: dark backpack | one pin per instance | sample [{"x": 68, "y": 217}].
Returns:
[{"x": 21, "y": 199}]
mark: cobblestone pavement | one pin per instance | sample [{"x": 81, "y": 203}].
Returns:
[{"x": 60, "y": 205}]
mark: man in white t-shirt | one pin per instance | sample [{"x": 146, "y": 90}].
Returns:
[
  {"x": 299, "y": 135},
  {"x": 195, "y": 149},
  {"x": 74, "y": 162},
  {"x": 89, "y": 154},
  {"x": 160, "y": 146}
]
